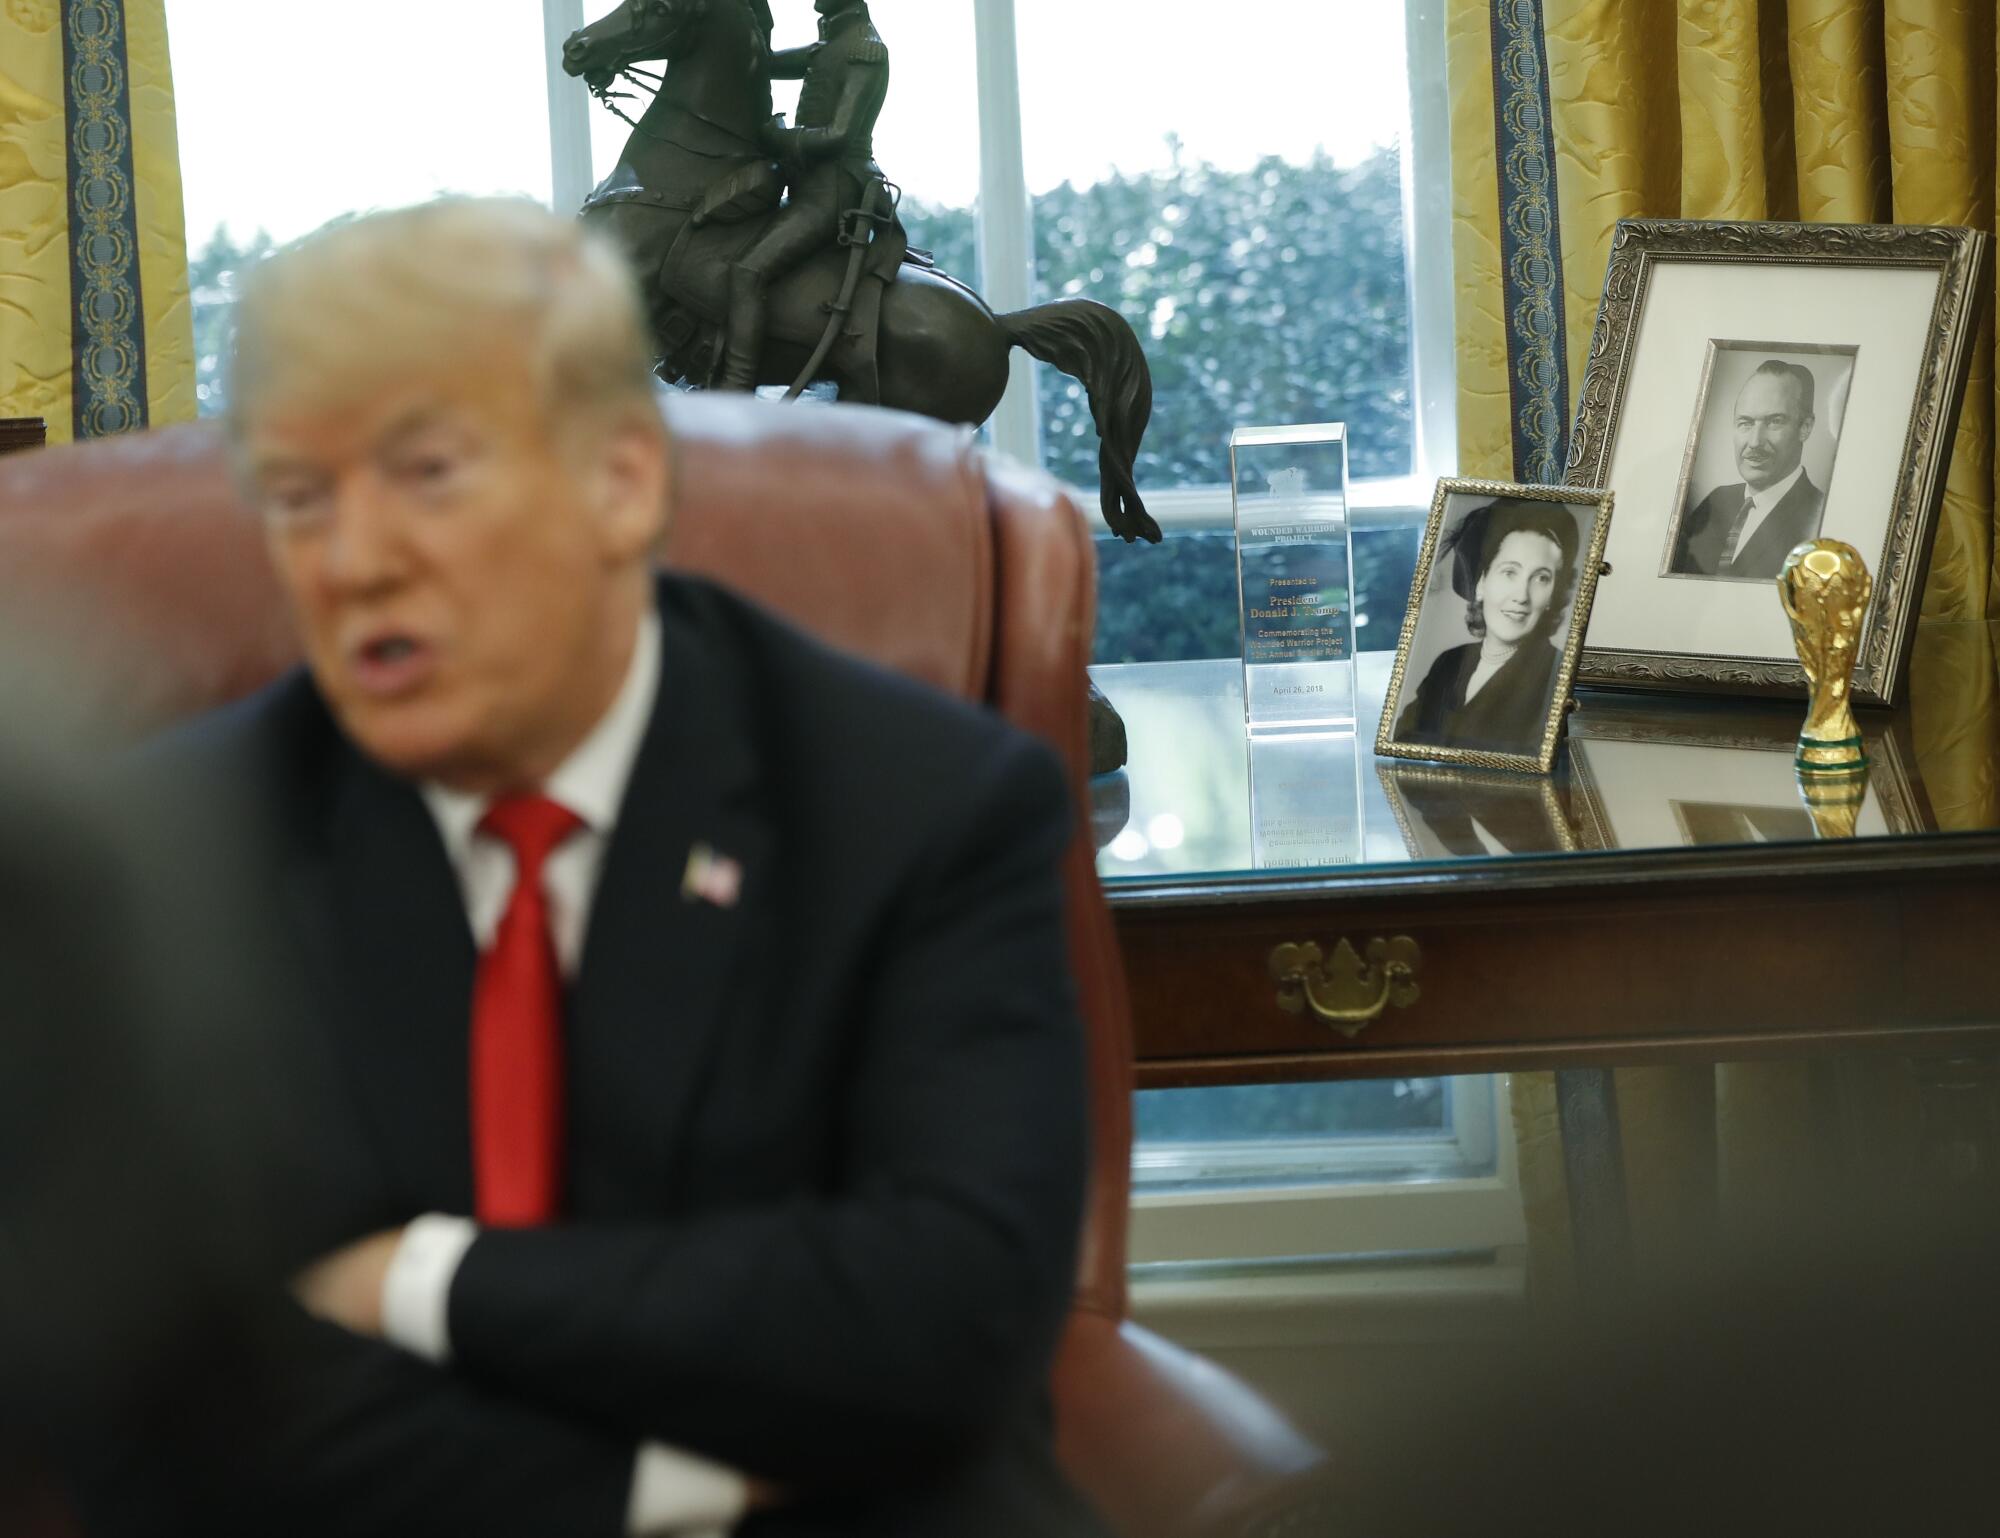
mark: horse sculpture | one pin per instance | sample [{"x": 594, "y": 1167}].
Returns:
[{"x": 694, "y": 188}]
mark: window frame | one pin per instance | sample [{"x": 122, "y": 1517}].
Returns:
[{"x": 571, "y": 176}]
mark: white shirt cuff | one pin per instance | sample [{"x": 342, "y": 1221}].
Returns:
[
  {"x": 416, "y": 1289},
  {"x": 680, "y": 1494}
]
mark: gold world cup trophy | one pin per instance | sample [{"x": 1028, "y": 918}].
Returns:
[{"x": 1825, "y": 588}]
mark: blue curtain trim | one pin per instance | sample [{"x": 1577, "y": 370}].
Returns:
[
  {"x": 108, "y": 321},
  {"x": 1530, "y": 243}
]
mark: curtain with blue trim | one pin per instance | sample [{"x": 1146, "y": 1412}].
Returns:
[{"x": 95, "y": 329}]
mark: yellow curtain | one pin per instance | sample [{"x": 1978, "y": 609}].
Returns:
[
  {"x": 1570, "y": 115},
  {"x": 95, "y": 329}
]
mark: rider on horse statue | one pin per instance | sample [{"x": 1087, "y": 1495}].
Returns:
[{"x": 829, "y": 161}]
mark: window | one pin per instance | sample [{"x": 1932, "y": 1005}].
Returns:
[
  {"x": 1265, "y": 201},
  {"x": 289, "y": 116},
  {"x": 1259, "y": 253}
]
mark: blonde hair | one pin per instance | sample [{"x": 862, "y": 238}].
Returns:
[{"x": 331, "y": 317}]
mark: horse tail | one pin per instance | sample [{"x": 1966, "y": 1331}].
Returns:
[{"x": 1093, "y": 343}]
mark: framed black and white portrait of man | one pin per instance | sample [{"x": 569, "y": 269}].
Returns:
[
  {"x": 1752, "y": 387},
  {"x": 1760, "y": 456}
]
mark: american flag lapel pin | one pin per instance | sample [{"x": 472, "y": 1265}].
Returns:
[{"x": 711, "y": 878}]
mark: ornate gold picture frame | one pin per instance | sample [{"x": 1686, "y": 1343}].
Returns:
[
  {"x": 1503, "y": 590},
  {"x": 1873, "y": 325}
]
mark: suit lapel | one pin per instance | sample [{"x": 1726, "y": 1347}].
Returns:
[
  {"x": 1706, "y": 547},
  {"x": 405, "y": 962},
  {"x": 652, "y": 990},
  {"x": 1793, "y": 520}
]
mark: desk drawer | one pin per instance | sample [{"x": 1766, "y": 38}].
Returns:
[{"x": 1507, "y": 981}]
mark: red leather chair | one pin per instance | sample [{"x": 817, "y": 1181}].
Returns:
[{"x": 885, "y": 534}]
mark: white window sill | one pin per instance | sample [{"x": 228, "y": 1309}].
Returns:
[
  {"x": 1357, "y": 1218},
  {"x": 1356, "y": 1300},
  {"x": 1375, "y": 504}
]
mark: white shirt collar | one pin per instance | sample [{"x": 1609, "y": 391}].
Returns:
[
  {"x": 1763, "y": 501},
  {"x": 591, "y": 781}
]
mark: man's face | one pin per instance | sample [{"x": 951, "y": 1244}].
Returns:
[
  {"x": 466, "y": 589},
  {"x": 1771, "y": 430}
]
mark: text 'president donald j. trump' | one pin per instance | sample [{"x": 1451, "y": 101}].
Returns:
[
  {"x": 1747, "y": 530},
  {"x": 710, "y": 1112}
]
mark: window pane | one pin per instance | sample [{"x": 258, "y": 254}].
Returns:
[
  {"x": 927, "y": 141},
  {"x": 290, "y": 115},
  {"x": 1367, "y": 1107},
  {"x": 1235, "y": 190},
  {"x": 1315, "y": 1134}
]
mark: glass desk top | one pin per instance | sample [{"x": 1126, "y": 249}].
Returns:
[{"x": 1198, "y": 799}]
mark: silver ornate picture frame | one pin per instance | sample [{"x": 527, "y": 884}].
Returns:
[{"x": 1836, "y": 421}]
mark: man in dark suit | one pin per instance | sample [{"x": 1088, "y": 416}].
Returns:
[
  {"x": 698, "y": 996},
  {"x": 1747, "y": 530}
]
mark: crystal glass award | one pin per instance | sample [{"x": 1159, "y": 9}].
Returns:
[{"x": 1294, "y": 567}]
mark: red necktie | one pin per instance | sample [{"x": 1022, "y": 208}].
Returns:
[{"x": 517, "y": 1049}]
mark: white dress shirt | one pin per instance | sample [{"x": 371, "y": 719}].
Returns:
[
  {"x": 1761, "y": 505},
  {"x": 673, "y": 1492}
]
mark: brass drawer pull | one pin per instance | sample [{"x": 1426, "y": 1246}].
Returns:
[{"x": 1346, "y": 992}]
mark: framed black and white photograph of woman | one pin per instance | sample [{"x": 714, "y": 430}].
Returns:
[
  {"x": 1750, "y": 387},
  {"x": 1502, "y": 592}
]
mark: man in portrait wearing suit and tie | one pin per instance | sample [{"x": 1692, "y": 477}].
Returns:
[
  {"x": 1746, "y": 530},
  {"x": 712, "y": 1131}
]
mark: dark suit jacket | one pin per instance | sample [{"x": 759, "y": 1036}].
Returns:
[
  {"x": 1795, "y": 520},
  {"x": 1507, "y": 715},
  {"x": 827, "y": 1146}
]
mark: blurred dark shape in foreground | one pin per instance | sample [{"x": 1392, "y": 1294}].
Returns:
[
  {"x": 143, "y": 1102},
  {"x": 1834, "y": 1375}
]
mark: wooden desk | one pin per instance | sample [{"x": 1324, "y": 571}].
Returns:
[{"x": 1665, "y": 897}]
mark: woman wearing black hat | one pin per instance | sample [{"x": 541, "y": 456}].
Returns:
[{"x": 1514, "y": 564}]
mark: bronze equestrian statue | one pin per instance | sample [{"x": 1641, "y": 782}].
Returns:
[{"x": 749, "y": 287}]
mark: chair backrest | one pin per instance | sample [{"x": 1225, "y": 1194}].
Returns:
[{"x": 884, "y": 534}]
